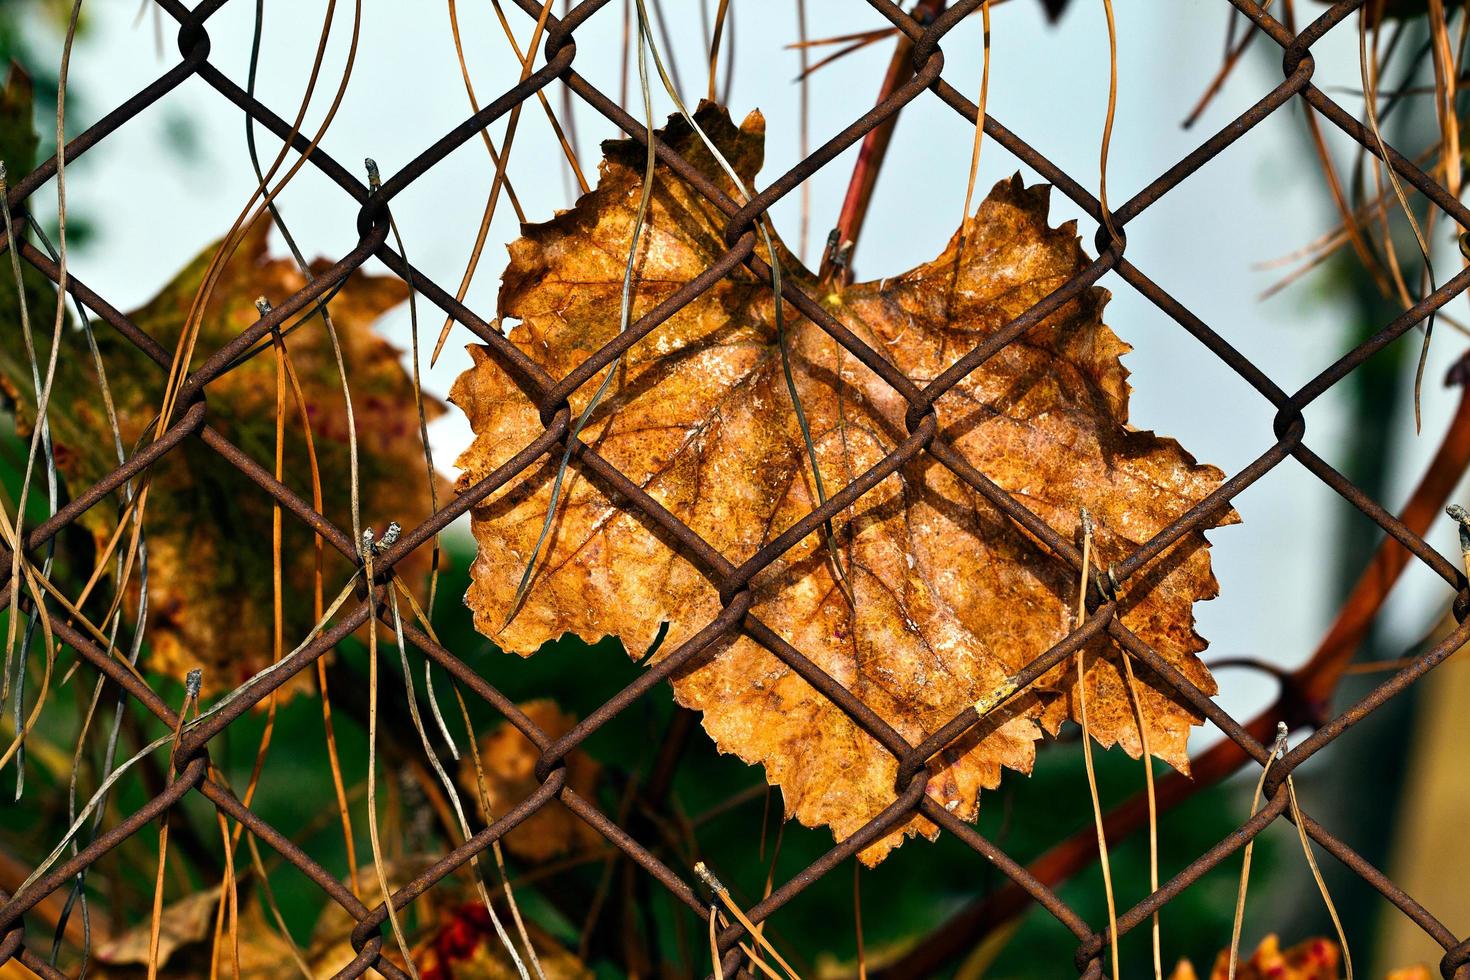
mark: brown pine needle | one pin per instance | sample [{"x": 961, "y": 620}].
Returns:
[
  {"x": 333, "y": 759},
  {"x": 1102, "y": 840},
  {"x": 857, "y": 915},
  {"x": 219, "y": 930},
  {"x": 1245, "y": 866},
  {"x": 229, "y": 888},
  {"x": 876, "y": 35},
  {"x": 714, "y": 946},
  {"x": 1153, "y": 810},
  {"x": 191, "y": 699},
  {"x": 979, "y": 114},
  {"x": 1097, "y": 815},
  {"x": 1232, "y": 56},
  {"x": 372, "y": 794},
  {"x": 334, "y": 762},
  {"x": 1107, "y": 136},
  {"x": 1301, "y": 831},
  {"x": 499, "y": 180},
  {"x": 229, "y": 898},
  {"x": 1334, "y": 184},
  {"x": 714, "y": 46},
  {"x": 469, "y": 88},
  {"x": 804, "y": 126},
  {"x": 1368, "y": 72},
  {"x": 1444, "y": 90},
  {"x": 723, "y": 894},
  {"x": 566, "y": 141},
  {"x": 278, "y": 630},
  {"x": 839, "y": 54},
  {"x": 760, "y": 964},
  {"x": 184, "y": 350}
]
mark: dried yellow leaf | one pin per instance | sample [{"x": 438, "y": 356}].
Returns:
[{"x": 950, "y": 596}]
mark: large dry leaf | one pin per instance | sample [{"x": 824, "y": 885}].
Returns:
[
  {"x": 508, "y": 760},
  {"x": 209, "y": 528},
  {"x": 951, "y": 597},
  {"x": 187, "y": 921},
  {"x": 187, "y": 943}
]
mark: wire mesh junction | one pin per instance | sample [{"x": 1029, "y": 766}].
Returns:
[{"x": 550, "y": 396}]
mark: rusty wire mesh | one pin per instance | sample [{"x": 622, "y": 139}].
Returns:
[{"x": 550, "y": 396}]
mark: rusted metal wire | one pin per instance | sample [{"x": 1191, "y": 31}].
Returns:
[{"x": 551, "y": 397}]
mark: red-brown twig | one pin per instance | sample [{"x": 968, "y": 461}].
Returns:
[{"x": 874, "y": 148}]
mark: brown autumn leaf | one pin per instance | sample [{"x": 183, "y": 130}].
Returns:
[
  {"x": 1314, "y": 959},
  {"x": 208, "y": 527},
  {"x": 330, "y": 950},
  {"x": 186, "y": 943},
  {"x": 182, "y": 923},
  {"x": 187, "y": 937},
  {"x": 509, "y": 760},
  {"x": 951, "y": 597}
]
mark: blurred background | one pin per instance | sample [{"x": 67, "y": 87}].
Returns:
[{"x": 165, "y": 186}]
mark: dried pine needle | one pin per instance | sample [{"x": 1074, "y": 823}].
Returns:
[
  {"x": 714, "y": 946},
  {"x": 1370, "y": 96},
  {"x": 279, "y": 342},
  {"x": 1097, "y": 816},
  {"x": 1153, "y": 810},
  {"x": 979, "y": 114},
  {"x": 1107, "y": 135},
  {"x": 625, "y": 316},
  {"x": 723, "y": 894},
  {"x": 191, "y": 699},
  {"x": 1301, "y": 830},
  {"x": 469, "y": 88},
  {"x": 450, "y": 790},
  {"x": 499, "y": 180},
  {"x": 714, "y": 47},
  {"x": 1245, "y": 866},
  {"x": 374, "y": 838}
]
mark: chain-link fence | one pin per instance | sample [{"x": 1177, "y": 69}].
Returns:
[{"x": 550, "y": 397}]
